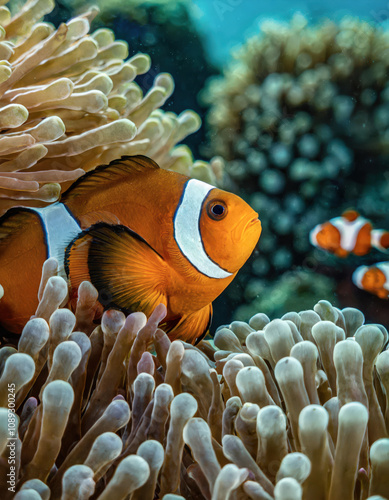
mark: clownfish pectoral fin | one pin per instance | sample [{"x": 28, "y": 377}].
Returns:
[
  {"x": 116, "y": 170},
  {"x": 191, "y": 328},
  {"x": 341, "y": 252},
  {"x": 382, "y": 293},
  {"x": 125, "y": 270}
]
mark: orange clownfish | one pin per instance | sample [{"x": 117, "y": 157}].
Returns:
[
  {"x": 373, "y": 279},
  {"x": 350, "y": 233},
  {"x": 141, "y": 234}
]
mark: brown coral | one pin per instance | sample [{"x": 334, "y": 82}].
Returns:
[{"x": 69, "y": 102}]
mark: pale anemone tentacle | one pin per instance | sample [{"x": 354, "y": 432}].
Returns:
[
  {"x": 70, "y": 102},
  {"x": 110, "y": 374},
  {"x": 187, "y": 230}
]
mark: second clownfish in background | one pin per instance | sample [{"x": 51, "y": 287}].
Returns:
[
  {"x": 373, "y": 279},
  {"x": 142, "y": 235},
  {"x": 349, "y": 233}
]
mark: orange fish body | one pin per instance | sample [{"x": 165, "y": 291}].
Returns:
[
  {"x": 373, "y": 279},
  {"x": 347, "y": 234},
  {"x": 142, "y": 235}
]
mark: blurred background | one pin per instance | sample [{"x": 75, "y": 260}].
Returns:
[{"x": 294, "y": 98}]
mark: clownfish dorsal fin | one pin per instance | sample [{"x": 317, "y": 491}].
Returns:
[
  {"x": 126, "y": 166},
  {"x": 350, "y": 215},
  {"x": 127, "y": 272}
]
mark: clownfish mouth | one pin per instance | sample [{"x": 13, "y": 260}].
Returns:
[
  {"x": 244, "y": 230},
  {"x": 252, "y": 223},
  {"x": 253, "y": 226}
]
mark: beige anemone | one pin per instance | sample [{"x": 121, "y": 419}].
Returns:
[
  {"x": 69, "y": 102},
  {"x": 294, "y": 408}
]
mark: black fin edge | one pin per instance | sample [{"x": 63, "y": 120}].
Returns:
[
  {"x": 101, "y": 168},
  {"x": 206, "y": 330},
  {"x": 11, "y": 212}
]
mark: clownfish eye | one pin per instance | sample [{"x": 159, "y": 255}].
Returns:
[{"x": 216, "y": 210}]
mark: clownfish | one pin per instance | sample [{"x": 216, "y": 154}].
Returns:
[
  {"x": 373, "y": 279},
  {"x": 349, "y": 233},
  {"x": 141, "y": 235}
]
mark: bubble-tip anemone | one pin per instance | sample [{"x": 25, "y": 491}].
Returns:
[
  {"x": 284, "y": 409},
  {"x": 69, "y": 102}
]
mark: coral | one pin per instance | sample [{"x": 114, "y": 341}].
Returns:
[
  {"x": 276, "y": 298},
  {"x": 302, "y": 117},
  {"x": 69, "y": 102},
  {"x": 268, "y": 410}
]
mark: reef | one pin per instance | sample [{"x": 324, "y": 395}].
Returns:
[
  {"x": 301, "y": 115},
  {"x": 259, "y": 295},
  {"x": 69, "y": 102},
  {"x": 285, "y": 409}
]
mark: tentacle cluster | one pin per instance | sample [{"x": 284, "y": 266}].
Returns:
[
  {"x": 69, "y": 102},
  {"x": 294, "y": 408}
]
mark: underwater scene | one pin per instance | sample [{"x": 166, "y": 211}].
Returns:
[{"x": 194, "y": 250}]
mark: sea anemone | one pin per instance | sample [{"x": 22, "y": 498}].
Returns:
[
  {"x": 302, "y": 117},
  {"x": 69, "y": 102},
  {"x": 282, "y": 409},
  {"x": 158, "y": 27}
]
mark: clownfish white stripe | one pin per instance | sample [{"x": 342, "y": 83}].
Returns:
[
  {"x": 187, "y": 229},
  {"x": 313, "y": 234},
  {"x": 60, "y": 229},
  {"x": 384, "y": 267},
  {"x": 376, "y": 236},
  {"x": 358, "y": 275},
  {"x": 348, "y": 231}
]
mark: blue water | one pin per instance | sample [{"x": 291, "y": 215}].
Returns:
[{"x": 228, "y": 23}]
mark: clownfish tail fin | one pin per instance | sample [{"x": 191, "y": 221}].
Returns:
[{"x": 380, "y": 240}]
